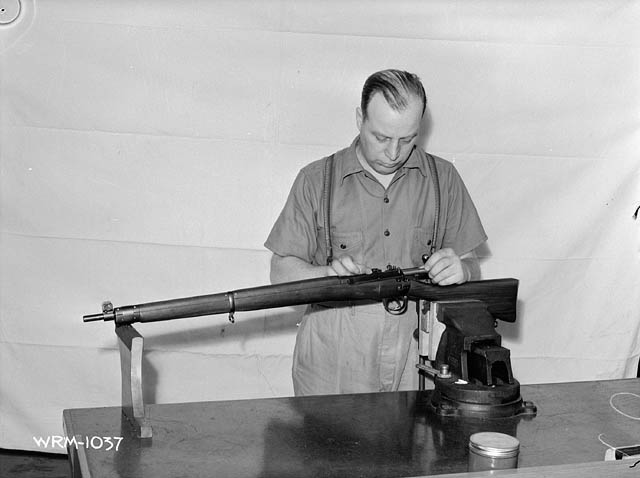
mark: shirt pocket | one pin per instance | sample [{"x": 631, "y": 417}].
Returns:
[
  {"x": 343, "y": 244},
  {"x": 420, "y": 245}
]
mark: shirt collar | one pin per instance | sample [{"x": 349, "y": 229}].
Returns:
[{"x": 350, "y": 165}]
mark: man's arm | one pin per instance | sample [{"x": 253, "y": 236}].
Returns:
[
  {"x": 445, "y": 268},
  {"x": 291, "y": 268}
]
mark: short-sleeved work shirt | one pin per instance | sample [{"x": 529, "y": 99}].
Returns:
[{"x": 362, "y": 348}]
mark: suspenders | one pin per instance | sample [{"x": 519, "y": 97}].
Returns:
[
  {"x": 326, "y": 203},
  {"x": 436, "y": 187}
]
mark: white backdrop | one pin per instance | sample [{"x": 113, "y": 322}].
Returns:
[{"x": 147, "y": 147}]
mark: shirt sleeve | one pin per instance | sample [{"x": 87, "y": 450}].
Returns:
[
  {"x": 295, "y": 231},
  {"x": 463, "y": 230}
]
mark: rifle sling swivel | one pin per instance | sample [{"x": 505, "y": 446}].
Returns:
[{"x": 232, "y": 306}]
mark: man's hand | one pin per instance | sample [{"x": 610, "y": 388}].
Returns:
[
  {"x": 346, "y": 266},
  {"x": 445, "y": 267}
]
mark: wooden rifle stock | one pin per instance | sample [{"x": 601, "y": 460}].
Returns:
[{"x": 500, "y": 295}]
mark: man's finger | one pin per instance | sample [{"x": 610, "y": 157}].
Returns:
[
  {"x": 338, "y": 268},
  {"x": 354, "y": 267},
  {"x": 438, "y": 256}
]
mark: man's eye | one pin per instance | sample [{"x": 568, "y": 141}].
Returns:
[{"x": 381, "y": 139}]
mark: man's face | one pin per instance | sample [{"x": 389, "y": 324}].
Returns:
[{"x": 387, "y": 136}]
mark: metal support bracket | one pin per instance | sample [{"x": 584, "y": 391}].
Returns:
[{"x": 131, "y": 344}]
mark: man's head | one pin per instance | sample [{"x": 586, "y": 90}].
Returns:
[
  {"x": 396, "y": 86},
  {"x": 389, "y": 117}
]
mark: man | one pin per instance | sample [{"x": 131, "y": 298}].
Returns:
[{"x": 382, "y": 207}]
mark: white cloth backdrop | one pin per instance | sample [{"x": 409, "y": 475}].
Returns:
[{"x": 146, "y": 148}]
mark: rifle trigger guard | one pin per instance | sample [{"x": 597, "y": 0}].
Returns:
[
  {"x": 396, "y": 306},
  {"x": 232, "y": 306}
]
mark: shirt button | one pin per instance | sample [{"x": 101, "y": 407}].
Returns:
[
  {"x": 386, "y": 232},
  {"x": 386, "y": 199}
]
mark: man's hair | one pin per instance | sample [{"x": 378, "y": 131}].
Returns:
[{"x": 397, "y": 86}]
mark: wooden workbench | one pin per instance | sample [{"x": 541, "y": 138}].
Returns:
[{"x": 365, "y": 435}]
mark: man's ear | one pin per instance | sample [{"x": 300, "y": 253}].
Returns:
[{"x": 359, "y": 118}]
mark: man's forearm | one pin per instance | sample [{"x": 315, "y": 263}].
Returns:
[{"x": 290, "y": 268}]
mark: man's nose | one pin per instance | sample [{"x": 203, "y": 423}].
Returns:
[{"x": 393, "y": 150}]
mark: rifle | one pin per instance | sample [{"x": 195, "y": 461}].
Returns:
[{"x": 393, "y": 287}]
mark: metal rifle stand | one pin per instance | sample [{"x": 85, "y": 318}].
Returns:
[
  {"x": 428, "y": 333},
  {"x": 131, "y": 344}
]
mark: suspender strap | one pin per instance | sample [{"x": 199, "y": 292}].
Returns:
[
  {"x": 436, "y": 187},
  {"x": 326, "y": 202}
]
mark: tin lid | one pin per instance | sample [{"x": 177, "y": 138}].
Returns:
[{"x": 494, "y": 444}]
